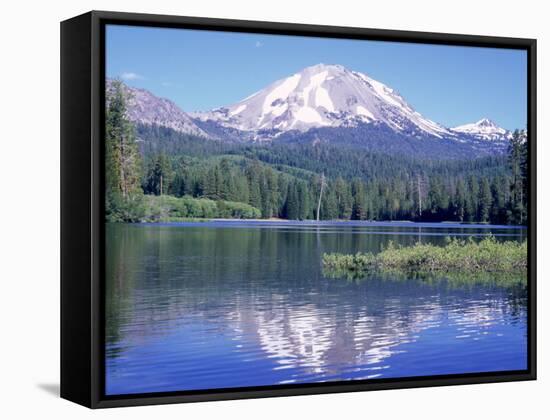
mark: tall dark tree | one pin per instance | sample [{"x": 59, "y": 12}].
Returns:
[
  {"x": 213, "y": 184},
  {"x": 472, "y": 198},
  {"x": 485, "y": 200},
  {"x": 438, "y": 199},
  {"x": 344, "y": 200},
  {"x": 359, "y": 211},
  {"x": 122, "y": 158},
  {"x": 304, "y": 201},
  {"x": 159, "y": 176},
  {"x": 255, "y": 194},
  {"x": 329, "y": 205},
  {"x": 517, "y": 159},
  {"x": 499, "y": 190},
  {"x": 459, "y": 201},
  {"x": 292, "y": 205}
]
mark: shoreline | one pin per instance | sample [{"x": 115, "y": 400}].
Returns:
[
  {"x": 372, "y": 222},
  {"x": 313, "y": 223}
]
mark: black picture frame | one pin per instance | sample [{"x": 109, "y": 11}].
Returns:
[{"x": 82, "y": 212}]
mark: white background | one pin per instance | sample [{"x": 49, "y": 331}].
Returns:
[{"x": 29, "y": 208}]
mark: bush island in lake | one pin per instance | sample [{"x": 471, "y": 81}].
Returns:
[{"x": 457, "y": 256}]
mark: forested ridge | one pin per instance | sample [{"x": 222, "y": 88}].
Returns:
[{"x": 154, "y": 173}]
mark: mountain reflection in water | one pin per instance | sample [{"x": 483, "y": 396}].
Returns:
[{"x": 219, "y": 305}]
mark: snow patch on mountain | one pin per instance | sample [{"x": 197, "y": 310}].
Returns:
[
  {"x": 484, "y": 129},
  {"x": 238, "y": 110},
  {"x": 361, "y": 110},
  {"x": 274, "y": 101},
  {"x": 339, "y": 104},
  {"x": 323, "y": 96}
]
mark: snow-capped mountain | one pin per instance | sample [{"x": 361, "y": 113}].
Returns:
[
  {"x": 329, "y": 104},
  {"x": 145, "y": 108},
  {"x": 323, "y": 96},
  {"x": 484, "y": 129}
]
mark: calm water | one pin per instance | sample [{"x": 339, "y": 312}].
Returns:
[{"x": 226, "y": 304}]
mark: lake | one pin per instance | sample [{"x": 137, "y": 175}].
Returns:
[{"x": 222, "y": 304}]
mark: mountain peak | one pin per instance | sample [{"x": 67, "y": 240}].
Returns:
[
  {"x": 323, "y": 95},
  {"x": 145, "y": 108},
  {"x": 486, "y": 122},
  {"x": 323, "y": 66},
  {"x": 485, "y": 129}
]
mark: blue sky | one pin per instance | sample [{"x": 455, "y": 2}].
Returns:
[{"x": 201, "y": 70}]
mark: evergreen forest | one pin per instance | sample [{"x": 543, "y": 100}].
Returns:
[{"x": 153, "y": 173}]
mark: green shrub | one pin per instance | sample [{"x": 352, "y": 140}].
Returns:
[
  {"x": 457, "y": 256},
  {"x": 165, "y": 208},
  {"x": 118, "y": 209}
]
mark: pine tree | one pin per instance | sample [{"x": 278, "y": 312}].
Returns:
[
  {"x": 181, "y": 181},
  {"x": 255, "y": 194},
  {"x": 344, "y": 200},
  {"x": 359, "y": 201},
  {"x": 158, "y": 179},
  {"x": 271, "y": 195},
  {"x": 292, "y": 208},
  {"x": 122, "y": 159},
  {"x": 499, "y": 189},
  {"x": 329, "y": 207},
  {"x": 225, "y": 180},
  {"x": 485, "y": 200},
  {"x": 304, "y": 201},
  {"x": 460, "y": 202},
  {"x": 438, "y": 199},
  {"x": 517, "y": 162},
  {"x": 472, "y": 199},
  {"x": 282, "y": 187},
  {"x": 525, "y": 173},
  {"x": 242, "y": 189}
]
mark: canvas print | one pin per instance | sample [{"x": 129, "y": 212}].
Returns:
[{"x": 299, "y": 210}]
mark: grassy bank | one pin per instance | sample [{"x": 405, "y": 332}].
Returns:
[{"x": 457, "y": 256}]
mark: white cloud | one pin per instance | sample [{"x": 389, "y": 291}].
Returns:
[
  {"x": 131, "y": 76},
  {"x": 258, "y": 44}
]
